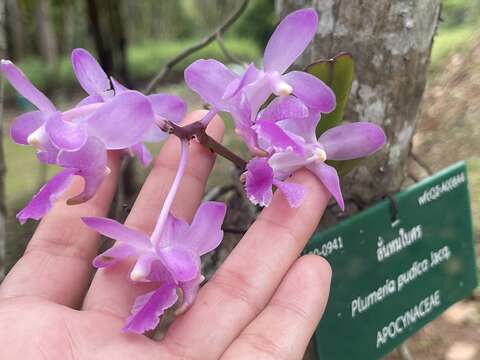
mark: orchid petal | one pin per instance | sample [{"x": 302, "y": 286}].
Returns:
[
  {"x": 26, "y": 124},
  {"x": 122, "y": 121},
  {"x": 89, "y": 73},
  {"x": 20, "y": 82},
  {"x": 154, "y": 134},
  {"x": 90, "y": 99},
  {"x": 303, "y": 127},
  {"x": 284, "y": 107},
  {"x": 174, "y": 232},
  {"x": 329, "y": 178},
  {"x": 210, "y": 79},
  {"x": 169, "y": 107},
  {"x": 294, "y": 193},
  {"x": 290, "y": 39},
  {"x": 117, "y": 252},
  {"x": 250, "y": 75},
  {"x": 148, "y": 308},
  {"x": 117, "y": 231},
  {"x": 257, "y": 93},
  {"x": 243, "y": 123},
  {"x": 284, "y": 163},
  {"x": 311, "y": 90},
  {"x": 276, "y": 137},
  {"x": 117, "y": 87},
  {"x": 43, "y": 201},
  {"x": 65, "y": 135},
  {"x": 181, "y": 262},
  {"x": 206, "y": 228},
  {"x": 351, "y": 141},
  {"x": 142, "y": 152},
  {"x": 90, "y": 161},
  {"x": 259, "y": 181}
]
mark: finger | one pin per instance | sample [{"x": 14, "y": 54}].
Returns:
[
  {"x": 111, "y": 291},
  {"x": 245, "y": 282},
  {"x": 57, "y": 262},
  {"x": 284, "y": 328}
]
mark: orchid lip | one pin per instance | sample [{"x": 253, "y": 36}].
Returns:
[{"x": 36, "y": 137}]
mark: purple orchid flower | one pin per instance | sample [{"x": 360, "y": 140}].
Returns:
[
  {"x": 291, "y": 144},
  {"x": 170, "y": 256},
  {"x": 100, "y": 88},
  {"x": 244, "y": 95}
]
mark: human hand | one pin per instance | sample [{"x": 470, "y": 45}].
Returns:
[{"x": 263, "y": 302}]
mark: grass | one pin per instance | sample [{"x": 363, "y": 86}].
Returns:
[{"x": 450, "y": 40}]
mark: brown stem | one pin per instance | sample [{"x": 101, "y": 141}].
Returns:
[{"x": 197, "y": 130}]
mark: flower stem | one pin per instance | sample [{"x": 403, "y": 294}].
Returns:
[
  {"x": 197, "y": 130},
  {"x": 162, "y": 218},
  {"x": 209, "y": 116}
]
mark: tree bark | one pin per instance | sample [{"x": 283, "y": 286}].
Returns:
[
  {"x": 391, "y": 43},
  {"x": 106, "y": 17},
  {"x": 47, "y": 36},
  {"x": 16, "y": 43},
  {"x": 3, "y": 211}
]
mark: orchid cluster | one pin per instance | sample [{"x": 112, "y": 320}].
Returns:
[{"x": 275, "y": 112}]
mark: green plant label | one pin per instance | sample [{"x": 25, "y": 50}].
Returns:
[{"x": 396, "y": 266}]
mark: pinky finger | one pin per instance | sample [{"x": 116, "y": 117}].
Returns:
[{"x": 283, "y": 329}]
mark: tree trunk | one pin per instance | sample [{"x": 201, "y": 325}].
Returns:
[
  {"x": 48, "y": 40},
  {"x": 390, "y": 42},
  {"x": 106, "y": 17},
  {"x": 3, "y": 236},
  {"x": 16, "y": 44}
]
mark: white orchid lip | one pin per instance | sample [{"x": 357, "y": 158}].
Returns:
[{"x": 138, "y": 274}]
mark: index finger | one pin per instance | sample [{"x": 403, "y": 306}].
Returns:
[{"x": 246, "y": 281}]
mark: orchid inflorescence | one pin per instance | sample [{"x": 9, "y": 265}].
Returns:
[{"x": 280, "y": 134}]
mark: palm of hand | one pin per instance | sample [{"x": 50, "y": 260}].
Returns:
[{"x": 264, "y": 302}]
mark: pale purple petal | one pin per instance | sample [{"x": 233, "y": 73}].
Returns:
[
  {"x": 43, "y": 201},
  {"x": 352, "y": 141},
  {"x": 26, "y": 124},
  {"x": 148, "y": 308},
  {"x": 243, "y": 123},
  {"x": 143, "y": 154},
  {"x": 311, "y": 90},
  {"x": 257, "y": 93},
  {"x": 154, "y": 134},
  {"x": 122, "y": 121},
  {"x": 273, "y": 135},
  {"x": 174, "y": 232},
  {"x": 250, "y": 75},
  {"x": 21, "y": 83},
  {"x": 284, "y": 107},
  {"x": 117, "y": 87},
  {"x": 90, "y": 162},
  {"x": 181, "y": 262},
  {"x": 206, "y": 228},
  {"x": 329, "y": 178},
  {"x": 259, "y": 181},
  {"x": 294, "y": 193},
  {"x": 304, "y": 128},
  {"x": 210, "y": 79},
  {"x": 90, "y": 99},
  {"x": 65, "y": 135},
  {"x": 113, "y": 255},
  {"x": 114, "y": 230},
  {"x": 284, "y": 163},
  {"x": 290, "y": 39},
  {"x": 89, "y": 73},
  {"x": 169, "y": 107}
]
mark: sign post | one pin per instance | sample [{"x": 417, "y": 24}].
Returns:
[{"x": 396, "y": 266}]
